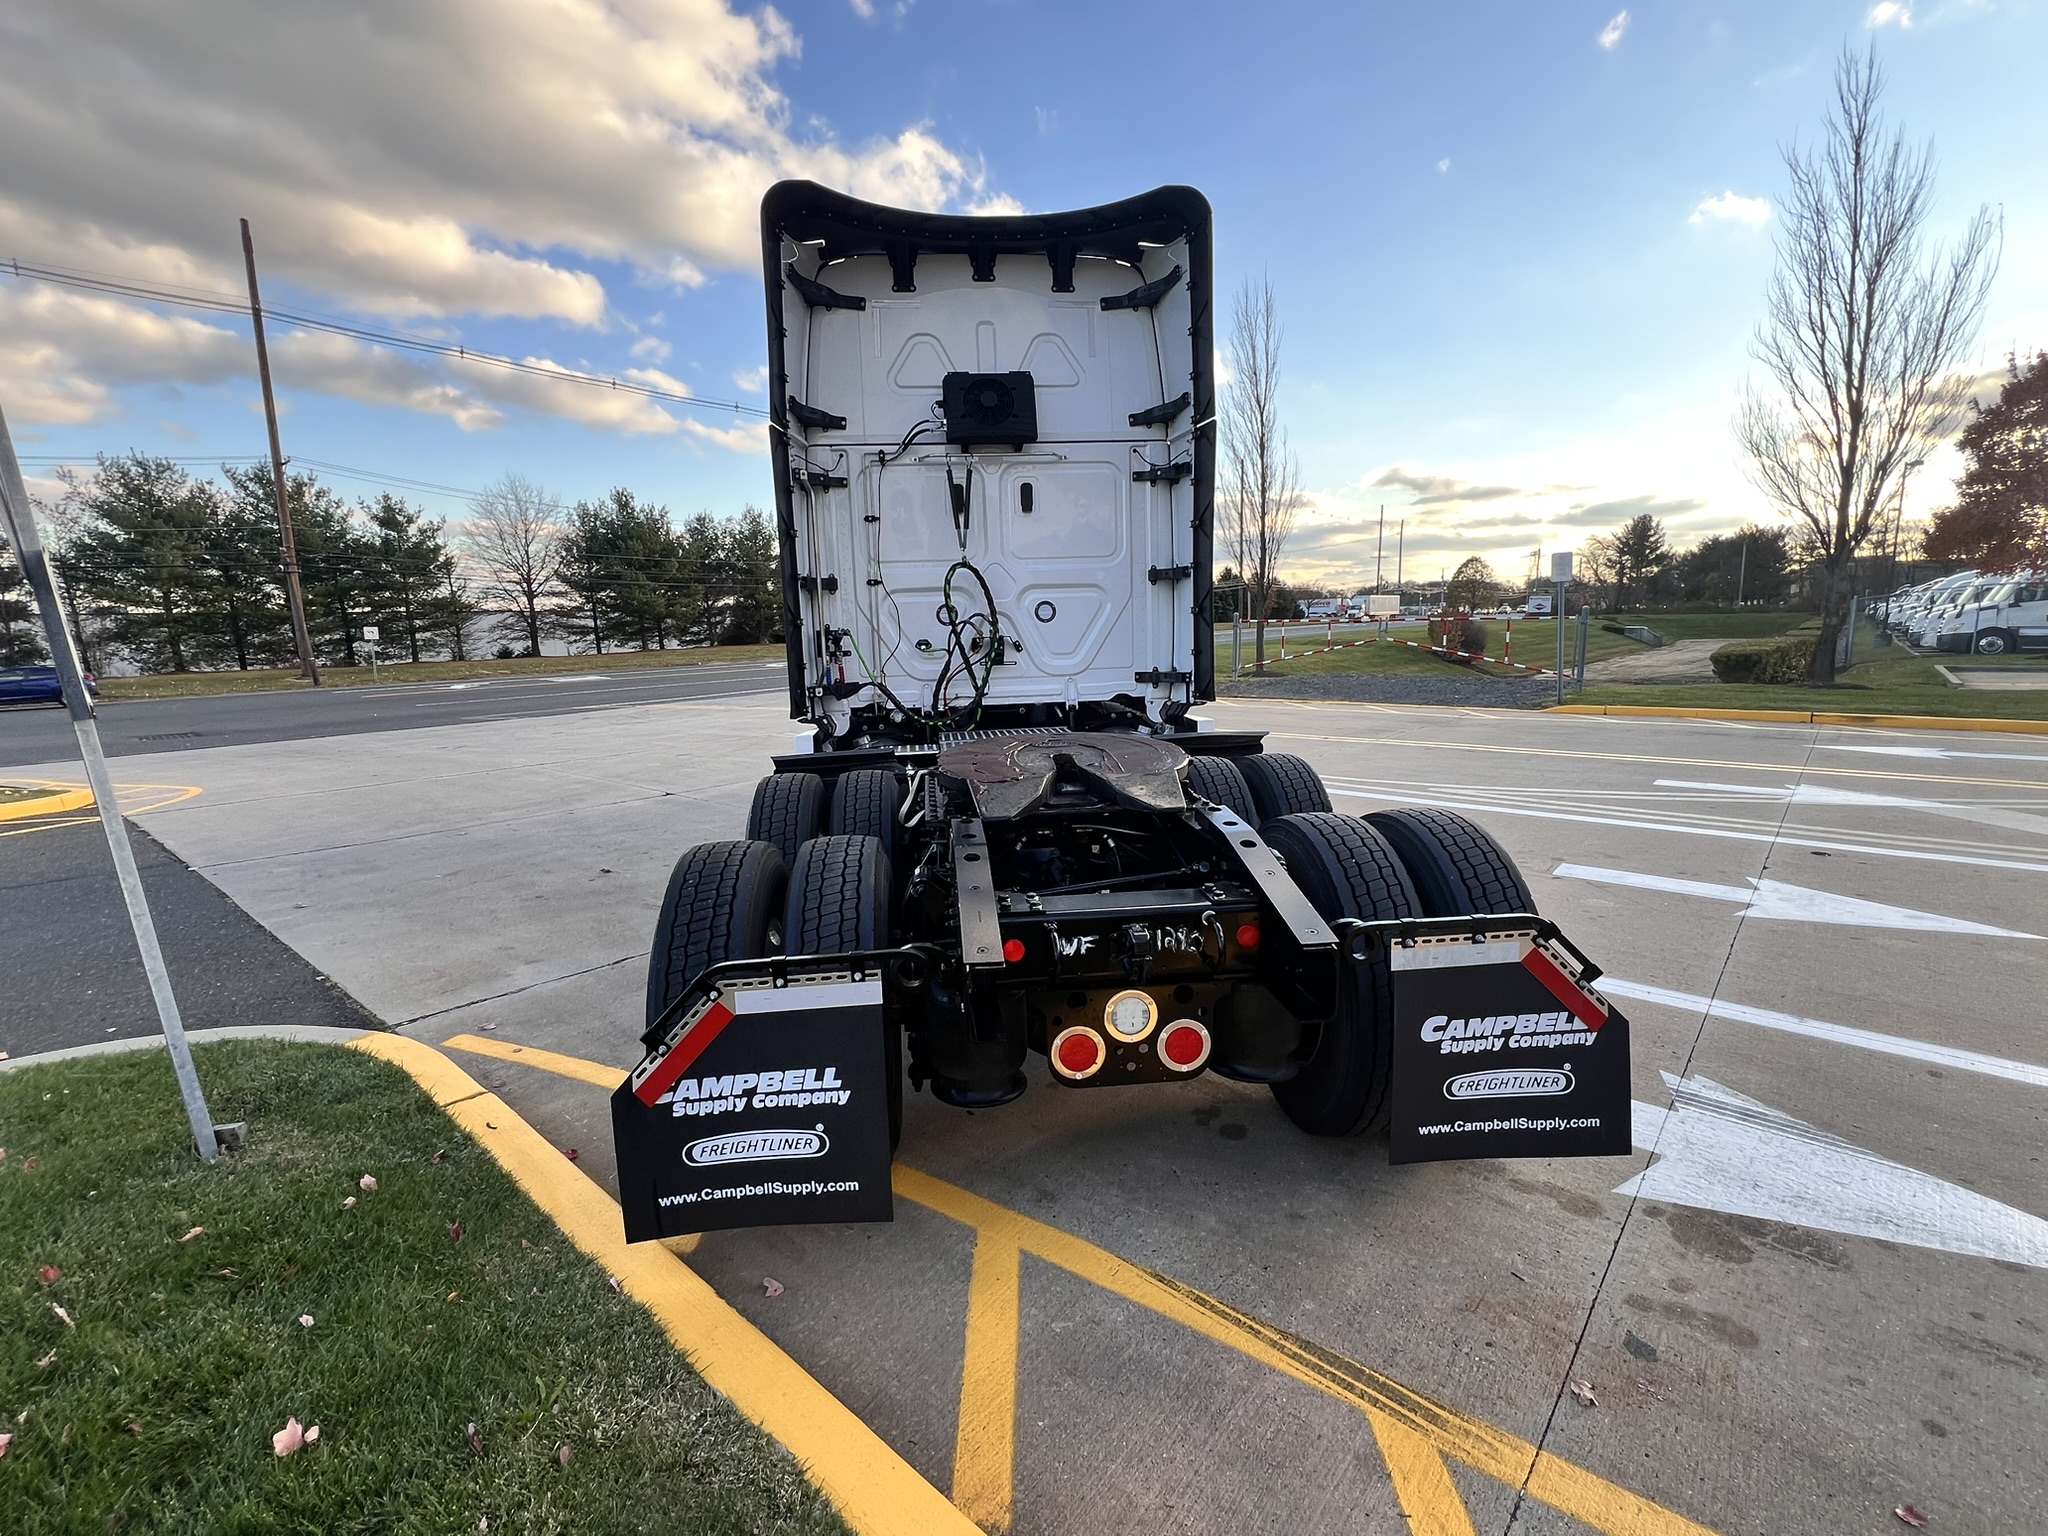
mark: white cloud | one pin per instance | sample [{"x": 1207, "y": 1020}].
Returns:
[
  {"x": 1734, "y": 208},
  {"x": 751, "y": 381},
  {"x": 864, "y": 9},
  {"x": 996, "y": 205},
  {"x": 1611, "y": 34},
  {"x": 1443, "y": 166},
  {"x": 466, "y": 157},
  {"x": 740, "y": 437},
  {"x": 424, "y": 162},
  {"x": 1890, "y": 13}
]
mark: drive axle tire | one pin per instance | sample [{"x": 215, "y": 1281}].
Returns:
[
  {"x": 788, "y": 810},
  {"x": 1991, "y": 642},
  {"x": 1346, "y": 869},
  {"x": 1454, "y": 864},
  {"x": 1220, "y": 781},
  {"x": 864, "y": 804},
  {"x": 1283, "y": 785},
  {"x": 724, "y": 902},
  {"x": 839, "y": 897}
]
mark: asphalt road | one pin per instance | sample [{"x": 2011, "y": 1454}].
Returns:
[
  {"x": 131, "y": 726},
  {"x": 1816, "y": 1292}
]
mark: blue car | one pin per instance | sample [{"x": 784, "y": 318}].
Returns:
[{"x": 35, "y": 685}]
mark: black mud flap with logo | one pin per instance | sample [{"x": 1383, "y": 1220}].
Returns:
[
  {"x": 763, "y": 1101},
  {"x": 1502, "y": 1046}
]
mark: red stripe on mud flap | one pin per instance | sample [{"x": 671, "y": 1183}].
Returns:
[
  {"x": 684, "y": 1056},
  {"x": 1584, "y": 1008}
]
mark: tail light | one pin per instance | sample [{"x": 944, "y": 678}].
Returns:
[
  {"x": 1078, "y": 1052},
  {"x": 1184, "y": 1045}
]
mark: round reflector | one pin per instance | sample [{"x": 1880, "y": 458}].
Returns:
[
  {"x": 1078, "y": 1052},
  {"x": 1130, "y": 1015},
  {"x": 1248, "y": 936},
  {"x": 1013, "y": 950},
  {"x": 1184, "y": 1046}
]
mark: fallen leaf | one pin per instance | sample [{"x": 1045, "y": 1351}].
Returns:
[
  {"x": 487, "y": 1026},
  {"x": 602, "y": 870},
  {"x": 49, "y": 1274},
  {"x": 47, "y": 1361},
  {"x": 1583, "y": 1391},
  {"x": 8, "y": 1439},
  {"x": 367, "y": 1184},
  {"x": 349, "y": 1204},
  {"x": 483, "y": 1522},
  {"x": 1908, "y": 1515},
  {"x": 289, "y": 1439},
  {"x": 454, "y": 1231},
  {"x": 475, "y": 1438},
  {"x": 135, "y": 1426},
  {"x": 62, "y": 1316},
  {"x": 562, "y": 1455},
  {"x": 453, "y": 1294},
  {"x": 573, "y": 1154},
  {"x": 436, "y": 1158},
  {"x": 30, "y": 1165},
  {"x": 305, "y": 1319},
  {"x": 773, "y": 1286},
  {"x": 313, "y": 1435},
  {"x": 195, "y": 1232},
  {"x": 617, "y": 1284}
]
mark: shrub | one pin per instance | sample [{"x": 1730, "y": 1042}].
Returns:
[
  {"x": 1459, "y": 634},
  {"x": 1780, "y": 659}
]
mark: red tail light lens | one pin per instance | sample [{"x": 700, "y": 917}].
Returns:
[
  {"x": 1078, "y": 1052},
  {"x": 1184, "y": 1045}
]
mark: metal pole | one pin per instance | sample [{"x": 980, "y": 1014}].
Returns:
[
  {"x": 19, "y": 521},
  {"x": 1557, "y": 618},
  {"x": 1579, "y": 670},
  {"x": 1379, "y": 558},
  {"x": 1400, "y": 548},
  {"x": 1741, "y": 573},
  {"x": 307, "y": 668},
  {"x": 1236, "y": 640}
]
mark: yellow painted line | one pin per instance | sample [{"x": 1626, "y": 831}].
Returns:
[
  {"x": 874, "y": 1489},
  {"x": 985, "y": 1445},
  {"x": 595, "y": 1073},
  {"x": 56, "y": 803},
  {"x": 1569, "y": 1489},
  {"x": 1415, "y": 1432},
  {"x": 1511, "y": 750},
  {"x": 1811, "y": 717}
]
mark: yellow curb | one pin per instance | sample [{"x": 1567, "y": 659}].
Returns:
[
  {"x": 1808, "y": 717},
  {"x": 873, "y": 1488},
  {"x": 47, "y": 805}
]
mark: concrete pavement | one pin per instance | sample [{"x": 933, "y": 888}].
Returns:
[{"x": 1750, "y": 1373}]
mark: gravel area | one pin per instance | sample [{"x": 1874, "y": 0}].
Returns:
[{"x": 1472, "y": 692}]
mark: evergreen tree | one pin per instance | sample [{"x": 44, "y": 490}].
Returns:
[
  {"x": 411, "y": 569},
  {"x": 141, "y": 557},
  {"x": 753, "y": 611},
  {"x": 21, "y": 630}
]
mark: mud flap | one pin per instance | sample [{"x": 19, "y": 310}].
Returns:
[
  {"x": 762, "y": 1102},
  {"x": 1502, "y": 1047}
]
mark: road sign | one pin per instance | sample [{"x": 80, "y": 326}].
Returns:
[
  {"x": 1561, "y": 566},
  {"x": 372, "y": 633}
]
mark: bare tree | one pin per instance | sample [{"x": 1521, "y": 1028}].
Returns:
[
  {"x": 1262, "y": 481},
  {"x": 1863, "y": 334},
  {"x": 511, "y": 537}
]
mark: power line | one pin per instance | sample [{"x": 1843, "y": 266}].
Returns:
[{"x": 193, "y": 298}]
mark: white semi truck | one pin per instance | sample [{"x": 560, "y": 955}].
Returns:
[{"x": 1004, "y": 835}]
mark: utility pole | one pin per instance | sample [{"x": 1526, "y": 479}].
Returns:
[
  {"x": 1379, "y": 558},
  {"x": 307, "y": 667},
  {"x": 1400, "y": 547}
]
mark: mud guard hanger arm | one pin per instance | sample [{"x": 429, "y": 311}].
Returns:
[
  {"x": 1161, "y": 415},
  {"x": 1145, "y": 295},
  {"x": 818, "y": 296},
  {"x": 810, "y": 416}
]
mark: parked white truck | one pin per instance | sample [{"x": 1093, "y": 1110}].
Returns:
[{"x": 1004, "y": 834}]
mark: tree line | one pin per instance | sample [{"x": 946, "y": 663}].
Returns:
[{"x": 172, "y": 572}]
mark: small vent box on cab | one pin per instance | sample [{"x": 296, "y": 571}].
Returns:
[{"x": 985, "y": 409}]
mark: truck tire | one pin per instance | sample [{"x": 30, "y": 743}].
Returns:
[
  {"x": 724, "y": 902},
  {"x": 1220, "y": 781},
  {"x": 864, "y": 804},
  {"x": 788, "y": 809},
  {"x": 1346, "y": 869},
  {"x": 1992, "y": 642},
  {"x": 1283, "y": 785},
  {"x": 1454, "y": 864},
  {"x": 839, "y": 900}
]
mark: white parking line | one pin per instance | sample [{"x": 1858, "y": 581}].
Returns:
[
  {"x": 1793, "y": 903},
  {"x": 1634, "y": 824},
  {"x": 1840, "y": 1034}
]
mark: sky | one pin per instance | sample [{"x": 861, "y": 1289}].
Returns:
[{"x": 1519, "y": 250}]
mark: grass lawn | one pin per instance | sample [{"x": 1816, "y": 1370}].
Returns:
[
  {"x": 1534, "y": 642},
  {"x": 15, "y": 794},
  {"x": 170, "y": 685},
  {"x": 153, "y": 1410},
  {"x": 1888, "y": 683}
]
